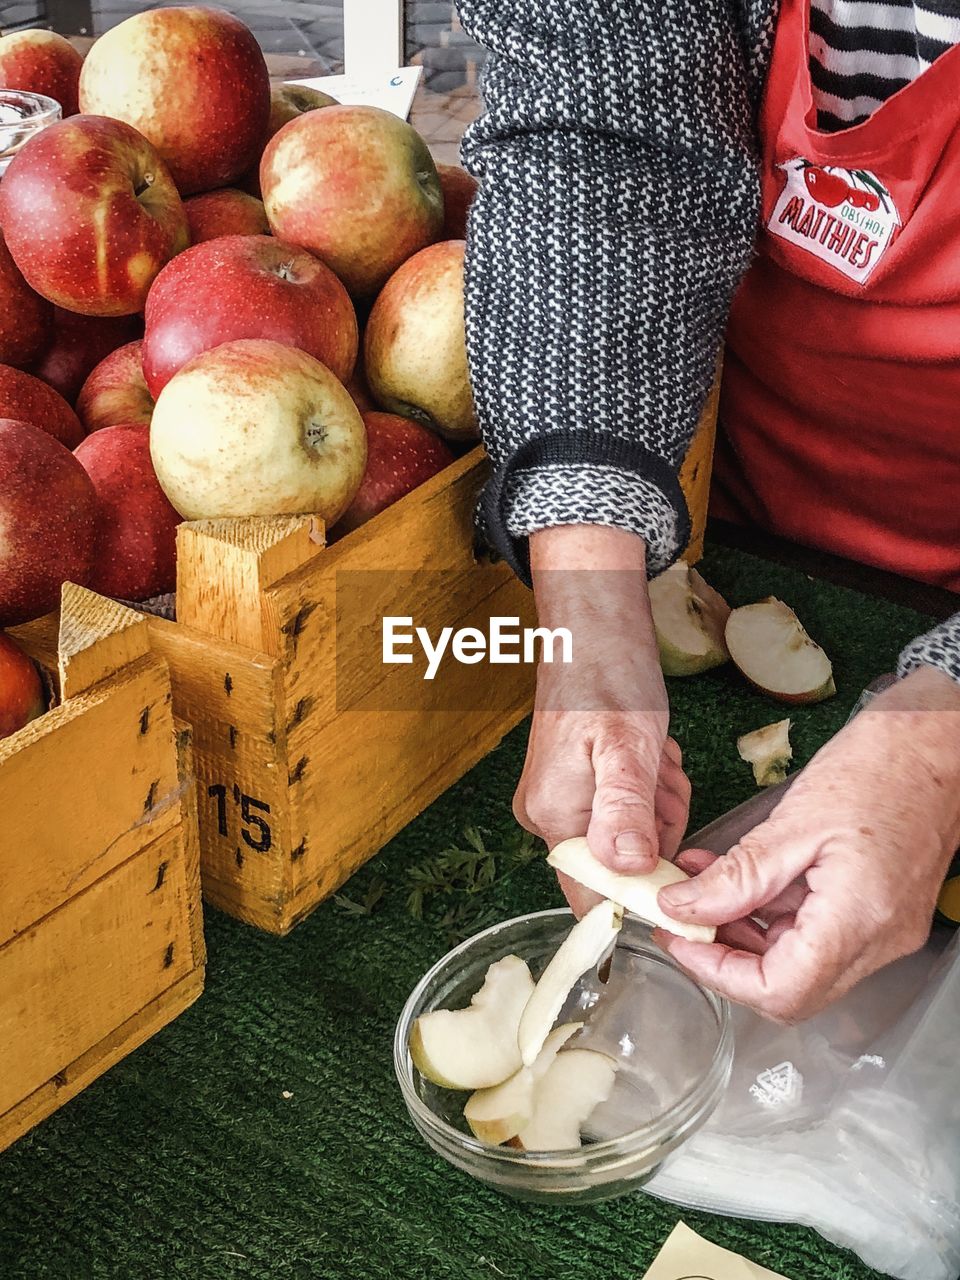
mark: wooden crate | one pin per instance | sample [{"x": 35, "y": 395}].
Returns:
[
  {"x": 101, "y": 941},
  {"x": 305, "y": 767}
]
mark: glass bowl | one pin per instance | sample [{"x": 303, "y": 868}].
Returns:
[
  {"x": 22, "y": 116},
  {"x": 671, "y": 1038}
]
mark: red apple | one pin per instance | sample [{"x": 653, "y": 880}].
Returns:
[
  {"x": 90, "y": 215},
  {"x": 256, "y": 428},
  {"x": 246, "y": 287},
  {"x": 116, "y": 392},
  {"x": 27, "y": 399},
  {"x": 287, "y": 101},
  {"x": 136, "y": 550},
  {"x": 193, "y": 81},
  {"x": 415, "y": 354},
  {"x": 21, "y": 691},
  {"x": 41, "y": 62},
  {"x": 357, "y": 187},
  {"x": 459, "y": 188},
  {"x": 400, "y": 455},
  {"x": 48, "y": 513},
  {"x": 78, "y": 345},
  {"x": 225, "y": 213},
  {"x": 25, "y": 317}
]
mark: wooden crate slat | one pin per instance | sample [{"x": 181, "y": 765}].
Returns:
[
  {"x": 97, "y": 638},
  {"x": 69, "y": 981},
  {"x": 225, "y": 566},
  {"x": 110, "y": 752},
  {"x": 80, "y": 1073}
]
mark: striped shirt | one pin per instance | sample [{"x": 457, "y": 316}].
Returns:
[{"x": 863, "y": 51}]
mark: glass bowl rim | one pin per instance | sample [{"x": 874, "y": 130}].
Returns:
[
  {"x": 676, "y": 1119},
  {"x": 50, "y": 109}
]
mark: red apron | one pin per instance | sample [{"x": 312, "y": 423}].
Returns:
[{"x": 840, "y": 410}]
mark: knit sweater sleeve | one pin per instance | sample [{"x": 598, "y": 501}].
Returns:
[
  {"x": 617, "y": 213},
  {"x": 939, "y": 648}
]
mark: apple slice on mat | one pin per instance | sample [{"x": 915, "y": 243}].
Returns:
[
  {"x": 769, "y": 751},
  {"x": 636, "y": 894},
  {"x": 476, "y": 1047},
  {"x": 496, "y": 1115},
  {"x": 689, "y": 618},
  {"x": 583, "y": 948},
  {"x": 770, "y": 647},
  {"x": 572, "y": 1088}
]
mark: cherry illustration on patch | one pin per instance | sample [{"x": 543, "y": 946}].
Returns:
[
  {"x": 826, "y": 188},
  {"x": 868, "y": 200}
]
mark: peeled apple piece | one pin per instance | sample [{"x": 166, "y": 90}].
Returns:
[
  {"x": 770, "y": 647},
  {"x": 769, "y": 751},
  {"x": 689, "y": 618},
  {"x": 636, "y": 894},
  {"x": 583, "y": 948},
  {"x": 496, "y": 1115},
  {"x": 476, "y": 1047},
  {"x": 572, "y": 1088}
]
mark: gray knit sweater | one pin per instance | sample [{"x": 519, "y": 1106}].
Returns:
[{"x": 617, "y": 214}]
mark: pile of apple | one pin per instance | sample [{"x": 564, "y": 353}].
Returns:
[
  {"x": 190, "y": 264},
  {"x": 530, "y": 1087}
]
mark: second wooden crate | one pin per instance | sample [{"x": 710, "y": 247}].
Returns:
[{"x": 101, "y": 941}]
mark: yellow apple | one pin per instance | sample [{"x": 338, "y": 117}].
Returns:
[
  {"x": 415, "y": 351},
  {"x": 256, "y": 428}
]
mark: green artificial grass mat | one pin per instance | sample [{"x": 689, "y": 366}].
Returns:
[{"x": 189, "y": 1160}]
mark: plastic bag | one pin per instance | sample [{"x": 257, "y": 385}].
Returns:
[{"x": 848, "y": 1123}]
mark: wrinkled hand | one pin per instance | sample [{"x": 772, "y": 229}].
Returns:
[
  {"x": 845, "y": 872},
  {"x": 599, "y": 761}
]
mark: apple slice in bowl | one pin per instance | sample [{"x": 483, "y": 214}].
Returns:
[
  {"x": 584, "y": 947},
  {"x": 476, "y": 1047},
  {"x": 575, "y": 1083},
  {"x": 498, "y": 1114}
]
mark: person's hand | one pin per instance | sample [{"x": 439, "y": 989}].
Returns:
[
  {"x": 599, "y": 762},
  {"x": 845, "y": 872}
]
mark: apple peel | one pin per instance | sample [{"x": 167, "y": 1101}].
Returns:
[
  {"x": 635, "y": 893},
  {"x": 476, "y": 1047},
  {"x": 769, "y": 751},
  {"x": 582, "y": 949}
]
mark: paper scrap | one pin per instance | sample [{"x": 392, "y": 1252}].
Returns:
[
  {"x": 391, "y": 90},
  {"x": 687, "y": 1256}
]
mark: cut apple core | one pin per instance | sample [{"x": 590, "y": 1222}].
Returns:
[
  {"x": 636, "y": 894},
  {"x": 769, "y": 751}
]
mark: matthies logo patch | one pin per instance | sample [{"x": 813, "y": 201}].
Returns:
[{"x": 845, "y": 217}]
